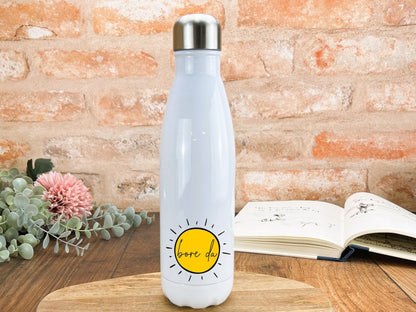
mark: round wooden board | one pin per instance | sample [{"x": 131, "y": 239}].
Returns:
[{"x": 251, "y": 292}]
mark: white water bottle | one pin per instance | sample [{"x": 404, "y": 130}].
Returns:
[{"x": 197, "y": 172}]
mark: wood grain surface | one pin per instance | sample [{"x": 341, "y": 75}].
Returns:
[
  {"x": 365, "y": 282},
  {"x": 143, "y": 292}
]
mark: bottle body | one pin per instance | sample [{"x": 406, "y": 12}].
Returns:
[{"x": 197, "y": 178}]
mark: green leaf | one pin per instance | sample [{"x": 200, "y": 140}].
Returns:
[
  {"x": 105, "y": 235},
  {"x": 66, "y": 248},
  {"x": 55, "y": 228},
  {"x": 14, "y": 172},
  {"x": 56, "y": 248},
  {"x": 126, "y": 226},
  {"x": 19, "y": 184},
  {"x": 121, "y": 219},
  {"x": 4, "y": 255},
  {"x": 73, "y": 223},
  {"x": 95, "y": 226},
  {"x": 10, "y": 234},
  {"x": 27, "y": 192},
  {"x": 118, "y": 231},
  {"x": 45, "y": 241},
  {"x": 137, "y": 220},
  {"x": 38, "y": 190},
  {"x": 96, "y": 213},
  {"x": 65, "y": 234},
  {"x": 12, "y": 219},
  {"x": 42, "y": 165},
  {"x": 3, "y": 205},
  {"x": 10, "y": 199},
  {"x": 87, "y": 234},
  {"x": 25, "y": 251},
  {"x": 31, "y": 210},
  {"x": 129, "y": 213},
  {"x": 30, "y": 239},
  {"x": 108, "y": 221},
  {"x": 36, "y": 201},
  {"x": 20, "y": 201},
  {"x": 2, "y": 240}
]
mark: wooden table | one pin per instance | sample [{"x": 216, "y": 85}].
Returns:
[{"x": 366, "y": 282}]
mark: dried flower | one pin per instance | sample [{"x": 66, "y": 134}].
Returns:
[{"x": 67, "y": 195}]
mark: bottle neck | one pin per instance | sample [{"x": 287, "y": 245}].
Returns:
[{"x": 194, "y": 62}]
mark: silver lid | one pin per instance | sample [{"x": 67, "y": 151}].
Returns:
[{"x": 196, "y": 32}]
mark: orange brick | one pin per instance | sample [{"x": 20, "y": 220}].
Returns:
[
  {"x": 399, "y": 12},
  {"x": 256, "y": 148},
  {"x": 130, "y": 17},
  {"x": 364, "y": 55},
  {"x": 139, "y": 149},
  {"x": 90, "y": 64},
  {"x": 398, "y": 187},
  {"x": 13, "y": 65},
  {"x": 39, "y": 19},
  {"x": 390, "y": 97},
  {"x": 332, "y": 185},
  {"x": 142, "y": 108},
  {"x": 332, "y": 14},
  {"x": 290, "y": 101},
  {"x": 138, "y": 189},
  {"x": 10, "y": 151},
  {"x": 256, "y": 59},
  {"x": 41, "y": 106},
  {"x": 366, "y": 145}
]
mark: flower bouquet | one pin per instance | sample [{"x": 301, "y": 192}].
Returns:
[{"x": 43, "y": 205}]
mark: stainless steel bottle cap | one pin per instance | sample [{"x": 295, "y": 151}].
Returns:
[{"x": 197, "y": 32}]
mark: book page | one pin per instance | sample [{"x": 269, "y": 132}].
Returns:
[
  {"x": 303, "y": 219},
  {"x": 367, "y": 213}
]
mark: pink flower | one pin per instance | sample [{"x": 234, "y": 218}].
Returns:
[{"x": 66, "y": 194}]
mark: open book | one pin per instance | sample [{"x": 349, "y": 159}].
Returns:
[{"x": 319, "y": 230}]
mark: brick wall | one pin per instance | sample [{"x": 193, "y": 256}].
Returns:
[{"x": 322, "y": 93}]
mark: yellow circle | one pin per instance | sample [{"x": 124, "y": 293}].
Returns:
[{"x": 197, "y": 250}]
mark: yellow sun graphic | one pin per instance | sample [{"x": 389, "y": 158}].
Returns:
[{"x": 196, "y": 250}]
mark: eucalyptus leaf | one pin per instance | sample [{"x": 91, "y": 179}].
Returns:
[
  {"x": 27, "y": 192},
  {"x": 31, "y": 210},
  {"x": 73, "y": 223},
  {"x": 129, "y": 213},
  {"x": 56, "y": 248},
  {"x": 14, "y": 172},
  {"x": 25, "y": 251},
  {"x": 21, "y": 200},
  {"x": 2, "y": 240},
  {"x": 105, "y": 235},
  {"x": 55, "y": 228},
  {"x": 4, "y": 255},
  {"x": 87, "y": 233},
  {"x": 118, "y": 231},
  {"x": 38, "y": 190},
  {"x": 137, "y": 220},
  {"x": 19, "y": 184},
  {"x": 12, "y": 219},
  {"x": 36, "y": 201},
  {"x": 65, "y": 234},
  {"x": 96, "y": 213},
  {"x": 3, "y": 205},
  {"x": 108, "y": 221},
  {"x": 45, "y": 241}
]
